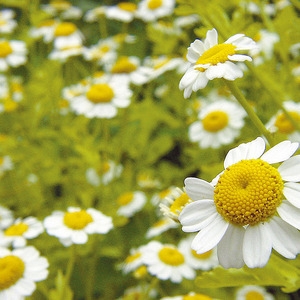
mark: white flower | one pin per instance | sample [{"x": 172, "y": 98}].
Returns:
[
  {"x": 6, "y": 164},
  {"x": 62, "y": 54},
  {"x": 134, "y": 260},
  {"x": 211, "y": 60},
  {"x": 6, "y": 217},
  {"x": 253, "y": 292},
  {"x": 21, "y": 230},
  {"x": 102, "y": 98},
  {"x": 7, "y": 22},
  {"x": 12, "y": 54},
  {"x": 63, "y": 9},
  {"x": 19, "y": 270},
  {"x": 73, "y": 226},
  {"x": 123, "y": 11},
  {"x": 219, "y": 124},
  {"x": 151, "y": 10},
  {"x": 160, "y": 226},
  {"x": 190, "y": 295},
  {"x": 130, "y": 203},
  {"x": 238, "y": 210},
  {"x": 44, "y": 30},
  {"x": 167, "y": 262}
]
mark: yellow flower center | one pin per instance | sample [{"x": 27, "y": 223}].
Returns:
[
  {"x": 215, "y": 121},
  {"x": 100, "y": 93},
  {"x": 47, "y": 23},
  {"x": 131, "y": 7},
  {"x": 10, "y": 105},
  {"x": 5, "y": 49},
  {"x": 16, "y": 229},
  {"x": 105, "y": 167},
  {"x": 203, "y": 256},
  {"x": 171, "y": 256},
  {"x": 196, "y": 297},
  {"x": 140, "y": 272},
  {"x": 164, "y": 193},
  {"x": 248, "y": 192},
  {"x": 11, "y": 270},
  {"x": 65, "y": 29},
  {"x": 179, "y": 203},
  {"x": 131, "y": 258},
  {"x": 123, "y": 65},
  {"x": 60, "y": 5},
  {"x": 125, "y": 199},
  {"x": 254, "y": 295},
  {"x": 216, "y": 54},
  {"x": 77, "y": 220},
  {"x": 160, "y": 223},
  {"x": 154, "y": 4},
  {"x": 284, "y": 125}
]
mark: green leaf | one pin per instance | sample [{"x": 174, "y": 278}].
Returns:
[{"x": 62, "y": 289}]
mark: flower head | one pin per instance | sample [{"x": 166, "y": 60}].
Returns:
[
  {"x": 249, "y": 208},
  {"x": 253, "y": 292},
  {"x": 131, "y": 202},
  {"x": 161, "y": 226},
  {"x": 211, "y": 60},
  {"x": 73, "y": 226}
]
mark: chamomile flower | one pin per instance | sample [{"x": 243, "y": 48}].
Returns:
[
  {"x": 63, "y": 9},
  {"x": 21, "y": 230},
  {"x": 219, "y": 123},
  {"x": 44, "y": 30},
  {"x": 151, "y": 10},
  {"x": 7, "y": 22},
  {"x": 280, "y": 122},
  {"x": 20, "y": 269},
  {"x": 189, "y": 296},
  {"x": 74, "y": 226},
  {"x": 253, "y": 292},
  {"x": 160, "y": 226},
  {"x": 94, "y": 14},
  {"x": 210, "y": 60},
  {"x": 134, "y": 260},
  {"x": 167, "y": 262},
  {"x": 6, "y": 217},
  {"x": 249, "y": 208},
  {"x": 130, "y": 203},
  {"x": 160, "y": 197},
  {"x": 123, "y": 11},
  {"x": 12, "y": 54}
]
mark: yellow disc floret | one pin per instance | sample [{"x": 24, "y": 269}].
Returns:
[
  {"x": 171, "y": 256},
  {"x": 196, "y": 297},
  {"x": 5, "y": 49},
  {"x": 65, "y": 29},
  {"x": 248, "y": 192},
  {"x": 178, "y": 204},
  {"x": 100, "y": 93},
  {"x": 77, "y": 220},
  {"x": 284, "y": 125},
  {"x": 154, "y": 4},
  {"x": 16, "y": 229},
  {"x": 125, "y": 199},
  {"x": 203, "y": 256},
  {"x": 123, "y": 65},
  {"x": 254, "y": 295},
  {"x": 215, "y": 121},
  {"x": 127, "y": 6}
]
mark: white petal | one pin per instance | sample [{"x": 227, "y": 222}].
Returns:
[
  {"x": 198, "y": 189},
  {"x": 290, "y": 169},
  {"x": 210, "y": 236},
  {"x": 289, "y": 213},
  {"x": 188, "y": 78},
  {"x": 239, "y": 57},
  {"x": 197, "y": 215},
  {"x": 291, "y": 191},
  {"x": 216, "y": 71},
  {"x": 232, "y": 71},
  {"x": 253, "y": 149},
  {"x": 200, "y": 82},
  {"x": 211, "y": 38},
  {"x": 230, "y": 248},
  {"x": 280, "y": 152},
  {"x": 285, "y": 238},
  {"x": 257, "y": 246}
]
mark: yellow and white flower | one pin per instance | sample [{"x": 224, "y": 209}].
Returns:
[
  {"x": 189, "y": 296},
  {"x": 249, "y": 208},
  {"x": 6, "y": 217},
  {"x": 123, "y": 11},
  {"x": 62, "y": 9},
  {"x": 161, "y": 226},
  {"x": 219, "y": 123},
  {"x": 210, "y": 60},
  {"x": 74, "y": 226},
  {"x": 130, "y": 203},
  {"x": 12, "y": 54},
  {"x": 19, "y": 270},
  {"x": 20, "y": 231},
  {"x": 167, "y": 262},
  {"x": 7, "y": 22},
  {"x": 134, "y": 260},
  {"x": 253, "y": 292}
]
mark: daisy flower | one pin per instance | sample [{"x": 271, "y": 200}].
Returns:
[
  {"x": 19, "y": 270},
  {"x": 151, "y": 10},
  {"x": 219, "y": 123},
  {"x": 102, "y": 98},
  {"x": 209, "y": 60},
  {"x": 6, "y": 217},
  {"x": 167, "y": 262},
  {"x": 157, "y": 198},
  {"x": 130, "y": 203},
  {"x": 21, "y": 230},
  {"x": 189, "y": 296},
  {"x": 160, "y": 226},
  {"x": 280, "y": 123},
  {"x": 134, "y": 260},
  {"x": 44, "y": 30},
  {"x": 93, "y": 15},
  {"x": 249, "y": 208},
  {"x": 7, "y": 22},
  {"x": 12, "y": 54},
  {"x": 63, "y": 9},
  {"x": 123, "y": 11},
  {"x": 253, "y": 292},
  {"x": 74, "y": 226}
]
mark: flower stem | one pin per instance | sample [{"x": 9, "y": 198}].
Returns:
[{"x": 251, "y": 113}]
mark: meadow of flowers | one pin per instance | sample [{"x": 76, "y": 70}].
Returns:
[{"x": 149, "y": 149}]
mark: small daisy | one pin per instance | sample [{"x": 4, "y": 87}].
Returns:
[
  {"x": 7, "y": 22},
  {"x": 63, "y": 53},
  {"x": 123, "y": 11},
  {"x": 74, "y": 226},
  {"x": 19, "y": 270},
  {"x": 190, "y": 296},
  {"x": 20, "y": 231},
  {"x": 209, "y": 60},
  {"x": 205, "y": 261},
  {"x": 219, "y": 124},
  {"x": 44, "y": 30},
  {"x": 280, "y": 122},
  {"x": 102, "y": 98},
  {"x": 63, "y": 9},
  {"x": 130, "y": 203},
  {"x": 12, "y": 54},
  {"x": 133, "y": 261},
  {"x": 160, "y": 197},
  {"x": 6, "y": 164},
  {"x": 151, "y": 10},
  {"x": 249, "y": 208},
  {"x": 93, "y": 15},
  {"x": 160, "y": 226},
  {"x": 147, "y": 180},
  {"x": 6, "y": 217},
  {"x": 167, "y": 262},
  {"x": 253, "y": 292}
]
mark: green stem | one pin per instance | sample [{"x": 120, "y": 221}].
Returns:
[{"x": 251, "y": 113}]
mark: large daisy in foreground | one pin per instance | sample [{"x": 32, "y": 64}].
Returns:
[
  {"x": 249, "y": 208},
  {"x": 211, "y": 60}
]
